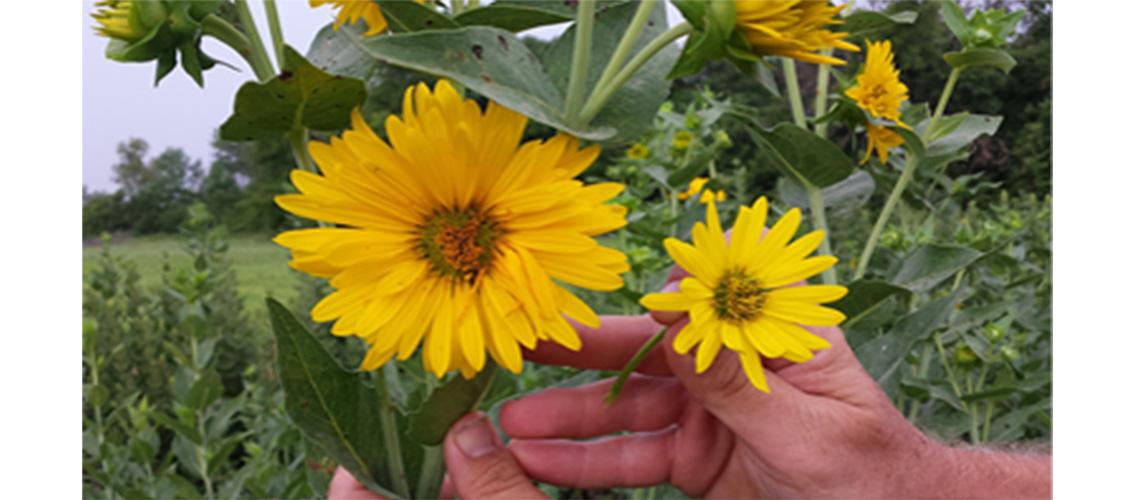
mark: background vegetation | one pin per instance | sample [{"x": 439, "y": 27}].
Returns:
[{"x": 181, "y": 397}]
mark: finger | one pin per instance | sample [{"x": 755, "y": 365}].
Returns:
[
  {"x": 608, "y": 347},
  {"x": 448, "y": 491},
  {"x": 345, "y": 487},
  {"x": 645, "y": 404},
  {"x": 479, "y": 464},
  {"x": 636, "y": 460}
]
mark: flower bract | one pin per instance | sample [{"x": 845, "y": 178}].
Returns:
[
  {"x": 792, "y": 28},
  {"x": 744, "y": 293},
  {"x": 453, "y": 234}
]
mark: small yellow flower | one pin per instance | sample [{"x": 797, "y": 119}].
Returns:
[
  {"x": 114, "y": 18},
  {"x": 682, "y": 139},
  {"x": 696, "y": 186},
  {"x": 792, "y": 28},
  {"x": 879, "y": 92},
  {"x": 637, "y": 151},
  {"x": 880, "y": 139},
  {"x": 350, "y": 11},
  {"x": 742, "y": 293},
  {"x": 453, "y": 234}
]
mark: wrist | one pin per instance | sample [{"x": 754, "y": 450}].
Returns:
[{"x": 942, "y": 471}]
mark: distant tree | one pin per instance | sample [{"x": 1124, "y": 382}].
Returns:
[
  {"x": 130, "y": 172},
  {"x": 260, "y": 169}
]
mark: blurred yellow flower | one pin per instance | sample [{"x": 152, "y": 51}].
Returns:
[
  {"x": 452, "y": 233},
  {"x": 742, "y": 293},
  {"x": 114, "y": 18},
  {"x": 637, "y": 151},
  {"x": 879, "y": 91},
  {"x": 696, "y": 186},
  {"x": 350, "y": 11},
  {"x": 682, "y": 139},
  {"x": 792, "y": 28}
]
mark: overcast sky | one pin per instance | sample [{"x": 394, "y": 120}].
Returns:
[{"x": 120, "y": 100}]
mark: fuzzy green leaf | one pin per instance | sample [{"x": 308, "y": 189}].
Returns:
[
  {"x": 447, "y": 404},
  {"x": 981, "y": 56}
]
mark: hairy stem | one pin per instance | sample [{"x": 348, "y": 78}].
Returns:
[
  {"x": 216, "y": 27},
  {"x": 626, "y": 43},
  {"x": 794, "y": 99},
  {"x": 639, "y": 356},
  {"x": 580, "y": 60},
  {"x": 433, "y": 470},
  {"x": 386, "y": 417},
  {"x": 820, "y": 222},
  {"x": 275, "y": 29},
  {"x": 823, "y": 75},
  {"x": 909, "y": 168},
  {"x": 256, "y": 44},
  {"x": 942, "y": 100},
  {"x": 603, "y": 94}
]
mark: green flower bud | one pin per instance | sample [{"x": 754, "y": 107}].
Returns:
[
  {"x": 1010, "y": 353},
  {"x": 722, "y": 139},
  {"x": 963, "y": 355},
  {"x": 993, "y": 332}
]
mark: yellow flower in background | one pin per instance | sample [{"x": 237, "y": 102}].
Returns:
[
  {"x": 637, "y": 151},
  {"x": 453, "y": 234},
  {"x": 113, "y": 17},
  {"x": 880, "y": 139},
  {"x": 350, "y": 11},
  {"x": 879, "y": 91},
  {"x": 682, "y": 139},
  {"x": 741, "y": 293},
  {"x": 696, "y": 186},
  {"x": 792, "y": 28}
]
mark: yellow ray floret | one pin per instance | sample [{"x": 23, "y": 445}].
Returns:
[
  {"x": 744, "y": 294},
  {"x": 792, "y": 28},
  {"x": 351, "y": 11},
  {"x": 453, "y": 234}
]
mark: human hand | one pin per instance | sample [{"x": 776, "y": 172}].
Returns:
[{"x": 477, "y": 462}]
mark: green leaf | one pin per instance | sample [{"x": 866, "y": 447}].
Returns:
[
  {"x": 843, "y": 196},
  {"x": 300, "y": 96},
  {"x": 330, "y": 405},
  {"x": 995, "y": 393},
  {"x": 863, "y": 297},
  {"x": 929, "y": 265},
  {"x": 883, "y": 355},
  {"x": 490, "y": 61},
  {"x": 955, "y": 19},
  {"x": 447, "y": 404},
  {"x": 205, "y": 390},
  {"x": 802, "y": 154},
  {"x": 517, "y": 15},
  {"x": 981, "y": 56},
  {"x": 865, "y": 22},
  {"x": 632, "y": 108},
  {"x": 333, "y": 51},
  {"x": 963, "y": 134},
  {"x": 408, "y": 15}
]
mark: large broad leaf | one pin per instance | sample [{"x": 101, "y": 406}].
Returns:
[
  {"x": 883, "y": 355},
  {"x": 863, "y": 297},
  {"x": 330, "y": 405},
  {"x": 866, "y": 22},
  {"x": 632, "y": 108},
  {"x": 409, "y": 15},
  {"x": 961, "y": 134},
  {"x": 929, "y": 265},
  {"x": 981, "y": 56},
  {"x": 447, "y": 404},
  {"x": 333, "y": 51},
  {"x": 802, "y": 154},
  {"x": 489, "y": 60},
  {"x": 300, "y": 96},
  {"x": 843, "y": 196},
  {"x": 518, "y": 15},
  {"x": 955, "y": 19}
]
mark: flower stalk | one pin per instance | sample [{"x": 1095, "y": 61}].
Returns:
[
  {"x": 631, "y": 365},
  {"x": 823, "y": 77},
  {"x": 580, "y": 60},
  {"x": 275, "y": 29},
  {"x": 263, "y": 66},
  {"x": 603, "y": 94},
  {"x": 386, "y": 417},
  {"x": 626, "y": 43}
]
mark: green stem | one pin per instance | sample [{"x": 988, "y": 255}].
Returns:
[
  {"x": 244, "y": 15},
  {"x": 630, "y": 36},
  {"x": 216, "y": 27},
  {"x": 457, "y": 6},
  {"x": 949, "y": 370},
  {"x": 819, "y": 221},
  {"x": 988, "y": 422},
  {"x": 821, "y": 105},
  {"x": 909, "y": 168},
  {"x": 632, "y": 364},
  {"x": 386, "y": 418},
  {"x": 794, "y": 99},
  {"x": 433, "y": 470},
  {"x": 298, "y": 140},
  {"x": 275, "y": 30},
  {"x": 942, "y": 100},
  {"x": 601, "y": 95},
  {"x": 580, "y": 60},
  {"x": 921, "y": 371}
]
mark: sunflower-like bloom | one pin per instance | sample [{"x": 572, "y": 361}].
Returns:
[
  {"x": 879, "y": 91},
  {"x": 638, "y": 151},
  {"x": 452, "y": 233},
  {"x": 741, "y": 292},
  {"x": 682, "y": 140},
  {"x": 696, "y": 186},
  {"x": 114, "y": 18},
  {"x": 792, "y": 28},
  {"x": 350, "y": 11}
]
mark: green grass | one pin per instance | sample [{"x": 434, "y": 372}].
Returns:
[{"x": 261, "y": 266}]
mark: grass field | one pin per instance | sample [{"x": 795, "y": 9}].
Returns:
[{"x": 261, "y": 266}]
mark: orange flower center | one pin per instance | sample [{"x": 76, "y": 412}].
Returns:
[
  {"x": 460, "y": 244},
  {"x": 738, "y": 296}
]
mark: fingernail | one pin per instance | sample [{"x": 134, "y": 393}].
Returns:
[{"x": 476, "y": 437}]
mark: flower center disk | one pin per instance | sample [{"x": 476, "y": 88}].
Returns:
[
  {"x": 738, "y": 296},
  {"x": 460, "y": 244}
]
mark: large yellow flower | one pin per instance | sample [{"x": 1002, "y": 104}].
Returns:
[
  {"x": 879, "y": 91},
  {"x": 350, "y": 11},
  {"x": 792, "y": 28},
  {"x": 453, "y": 234},
  {"x": 741, "y": 292}
]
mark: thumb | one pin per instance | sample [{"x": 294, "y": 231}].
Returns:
[{"x": 480, "y": 466}]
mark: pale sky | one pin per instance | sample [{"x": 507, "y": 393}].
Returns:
[{"x": 120, "y": 100}]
